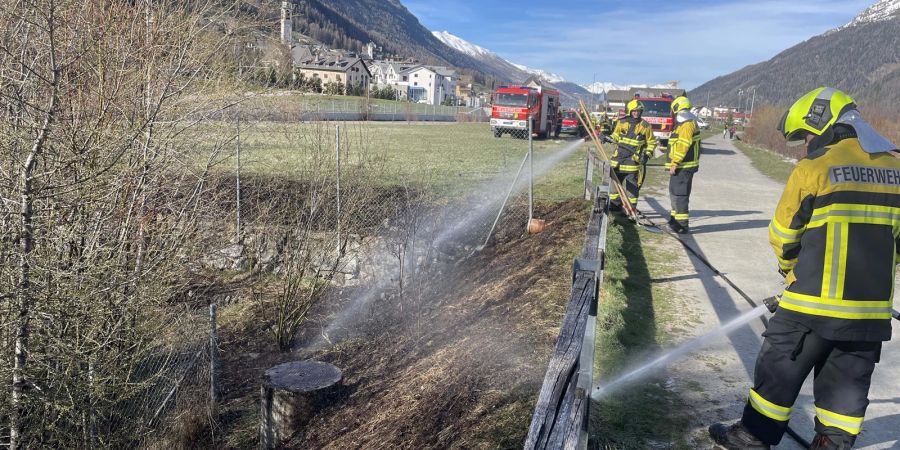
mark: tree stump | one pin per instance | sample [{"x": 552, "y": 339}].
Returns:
[{"x": 292, "y": 393}]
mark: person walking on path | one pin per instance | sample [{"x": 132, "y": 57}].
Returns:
[
  {"x": 635, "y": 143},
  {"x": 835, "y": 235},
  {"x": 684, "y": 161}
]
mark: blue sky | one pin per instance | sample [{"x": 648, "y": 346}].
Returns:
[{"x": 639, "y": 41}]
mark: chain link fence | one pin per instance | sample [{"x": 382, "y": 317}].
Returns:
[
  {"x": 285, "y": 106},
  {"x": 287, "y": 207}
]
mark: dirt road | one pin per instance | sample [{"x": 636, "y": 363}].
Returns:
[{"x": 731, "y": 206}]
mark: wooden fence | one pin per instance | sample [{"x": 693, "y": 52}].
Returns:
[{"x": 560, "y": 419}]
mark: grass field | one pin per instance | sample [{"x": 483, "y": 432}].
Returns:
[
  {"x": 769, "y": 163},
  {"x": 634, "y": 320},
  {"x": 447, "y": 158},
  {"x": 286, "y": 101}
]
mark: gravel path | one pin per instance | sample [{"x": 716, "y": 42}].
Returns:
[{"x": 731, "y": 206}]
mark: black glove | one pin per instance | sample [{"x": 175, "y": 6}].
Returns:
[{"x": 772, "y": 303}]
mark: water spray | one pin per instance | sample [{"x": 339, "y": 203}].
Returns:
[
  {"x": 448, "y": 232},
  {"x": 673, "y": 354}
]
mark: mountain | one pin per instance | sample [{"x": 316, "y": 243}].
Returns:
[
  {"x": 549, "y": 76},
  {"x": 512, "y": 72},
  {"x": 350, "y": 24},
  {"x": 518, "y": 73},
  {"x": 604, "y": 86},
  {"x": 861, "y": 58}
]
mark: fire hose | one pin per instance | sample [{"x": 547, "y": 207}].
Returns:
[{"x": 771, "y": 303}]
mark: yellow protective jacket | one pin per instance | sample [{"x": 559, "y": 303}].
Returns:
[
  {"x": 684, "y": 147},
  {"x": 634, "y": 137},
  {"x": 836, "y": 232}
]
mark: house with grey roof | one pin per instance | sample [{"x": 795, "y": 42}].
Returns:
[{"x": 348, "y": 71}]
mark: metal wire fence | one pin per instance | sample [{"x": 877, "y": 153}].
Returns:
[{"x": 309, "y": 204}]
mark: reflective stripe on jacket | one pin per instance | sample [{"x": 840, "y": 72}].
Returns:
[
  {"x": 633, "y": 137},
  {"x": 684, "y": 146},
  {"x": 836, "y": 231}
]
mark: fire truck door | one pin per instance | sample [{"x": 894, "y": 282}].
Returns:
[{"x": 542, "y": 126}]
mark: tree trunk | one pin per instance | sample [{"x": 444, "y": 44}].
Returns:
[
  {"x": 24, "y": 295},
  {"x": 292, "y": 393}
]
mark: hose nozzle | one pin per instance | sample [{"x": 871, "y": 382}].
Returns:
[{"x": 772, "y": 303}]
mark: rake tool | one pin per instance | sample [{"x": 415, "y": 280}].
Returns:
[{"x": 630, "y": 210}]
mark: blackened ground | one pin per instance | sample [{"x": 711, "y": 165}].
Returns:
[{"x": 457, "y": 366}]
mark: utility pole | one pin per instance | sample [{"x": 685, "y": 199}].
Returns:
[
  {"x": 752, "y": 100},
  {"x": 530, "y": 171}
]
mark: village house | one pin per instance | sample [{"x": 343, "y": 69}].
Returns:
[
  {"x": 389, "y": 73},
  {"x": 350, "y": 71},
  {"x": 431, "y": 85}
]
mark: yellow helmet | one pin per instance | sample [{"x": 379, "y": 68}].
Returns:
[
  {"x": 814, "y": 113},
  {"x": 632, "y": 105},
  {"x": 680, "y": 104}
]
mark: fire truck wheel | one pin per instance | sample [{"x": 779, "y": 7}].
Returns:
[{"x": 497, "y": 133}]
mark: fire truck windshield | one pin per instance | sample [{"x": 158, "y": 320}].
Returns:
[
  {"x": 504, "y": 99},
  {"x": 657, "y": 108}
]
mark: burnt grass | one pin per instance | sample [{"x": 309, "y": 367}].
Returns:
[{"x": 458, "y": 364}]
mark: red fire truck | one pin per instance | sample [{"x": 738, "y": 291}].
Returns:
[
  {"x": 658, "y": 113},
  {"x": 513, "y": 105}
]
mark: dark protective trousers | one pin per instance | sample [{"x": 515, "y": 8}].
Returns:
[
  {"x": 680, "y": 186},
  {"x": 629, "y": 181},
  {"x": 842, "y": 371}
]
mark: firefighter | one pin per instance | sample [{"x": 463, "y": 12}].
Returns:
[
  {"x": 606, "y": 125},
  {"x": 684, "y": 161},
  {"x": 635, "y": 144},
  {"x": 835, "y": 237}
]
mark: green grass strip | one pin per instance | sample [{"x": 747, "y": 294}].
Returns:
[{"x": 769, "y": 163}]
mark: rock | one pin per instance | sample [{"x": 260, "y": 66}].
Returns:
[
  {"x": 233, "y": 251},
  {"x": 268, "y": 258},
  {"x": 241, "y": 264}
]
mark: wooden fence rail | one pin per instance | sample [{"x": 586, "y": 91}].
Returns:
[{"x": 560, "y": 418}]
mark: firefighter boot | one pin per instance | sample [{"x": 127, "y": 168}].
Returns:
[
  {"x": 735, "y": 437},
  {"x": 677, "y": 227},
  {"x": 822, "y": 442}
]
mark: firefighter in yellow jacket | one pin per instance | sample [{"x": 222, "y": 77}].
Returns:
[
  {"x": 634, "y": 145},
  {"x": 835, "y": 235},
  {"x": 683, "y": 162}
]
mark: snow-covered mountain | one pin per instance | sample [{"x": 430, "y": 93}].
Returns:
[
  {"x": 605, "y": 86},
  {"x": 461, "y": 44},
  {"x": 482, "y": 53},
  {"x": 883, "y": 10},
  {"x": 549, "y": 76},
  {"x": 516, "y": 73},
  {"x": 859, "y": 58}
]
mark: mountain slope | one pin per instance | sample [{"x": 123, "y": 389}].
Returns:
[
  {"x": 861, "y": 58},
  {"x": 349, "y": 24},
  {"x": 513, "y": 73},
  {"x": 518, "y": 73}
]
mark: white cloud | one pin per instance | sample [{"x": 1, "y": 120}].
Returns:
[{"x": 692, "y": 45}]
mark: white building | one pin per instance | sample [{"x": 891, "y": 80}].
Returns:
[
  {"x": 703, "y": 112},
  {"x": 431, "y": 85}
]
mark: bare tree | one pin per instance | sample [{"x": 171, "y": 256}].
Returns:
[{"x": 106, "y": 194}]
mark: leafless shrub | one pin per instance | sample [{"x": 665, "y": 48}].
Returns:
[
  {"x": 102, "y": 198},
  {"x": 763, "y": 131}
]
